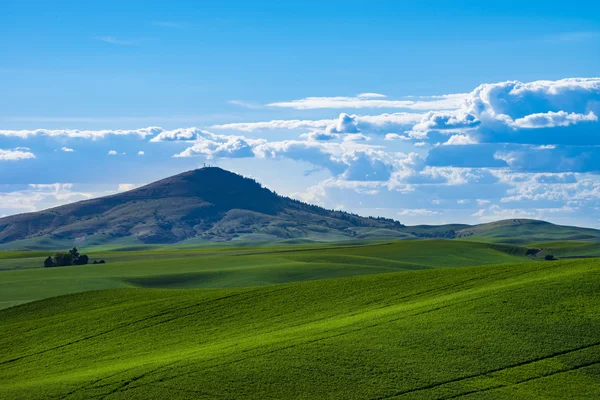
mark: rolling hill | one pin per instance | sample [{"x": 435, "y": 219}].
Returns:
[
  {"x": 23, "y": 279},
  {"x": 212, "y": 206},
  {"x": 518, "y": 331}
]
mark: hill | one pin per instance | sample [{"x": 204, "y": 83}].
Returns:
[
  {"x": 493, "y": 332},
  {"x": 523, "y": 231},
  {"x": 209, "y": 203},
  {"x": 23, "y": 279}
]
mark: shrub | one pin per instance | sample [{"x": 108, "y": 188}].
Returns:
[{"x": 549, "y": 257}]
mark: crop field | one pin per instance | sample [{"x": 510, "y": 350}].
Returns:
[
  {"x": 522, "y": 330},
  {"x": 23, "y": 279}
]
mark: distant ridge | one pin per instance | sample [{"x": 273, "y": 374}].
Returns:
[{"x": 214, "y": 205}]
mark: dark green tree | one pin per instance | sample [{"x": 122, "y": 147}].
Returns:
[
  {"x": 75, "y": 253},
  {"x": 63, "y": 259},
  {"x": 82, "y": 260},
  {"x": 48, "y": 262}
]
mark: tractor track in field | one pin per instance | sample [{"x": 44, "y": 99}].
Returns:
[
  {"x": 589, "y": 364},
  {"x": 464, "y": 378}
]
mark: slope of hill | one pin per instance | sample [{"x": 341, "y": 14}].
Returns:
[
  {"x": 493, "y": 332},
  {"x": 211, "y": 205},
  {"x": 522, "y": 231},
  {"x": 23, "y": 279},
  {"x": 210, "y": 202}
]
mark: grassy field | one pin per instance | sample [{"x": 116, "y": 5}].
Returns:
[
  {"x": 23, "y": 279},
  {"x": 519, "y": 331}
]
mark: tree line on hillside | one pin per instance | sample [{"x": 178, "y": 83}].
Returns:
[
  {"x": 352, "y": 218},
  {"x": 72, "y": 257}
]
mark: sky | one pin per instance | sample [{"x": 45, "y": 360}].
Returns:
[{"x": 425, "y": 112}]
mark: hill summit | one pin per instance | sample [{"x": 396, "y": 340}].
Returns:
[{"x": 210, "y": 203}]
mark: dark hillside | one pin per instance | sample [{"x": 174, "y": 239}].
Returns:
[{"x": 209, "y": 202}]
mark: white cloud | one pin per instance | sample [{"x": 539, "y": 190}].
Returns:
[
  {"x": 43, "y": 196},
  {"x": 356, "y": 137},
  {"x": 371, "y": 96},
  {"x": 15, "y": 155},
  {"x": 141, "y": 153},
  {"x": 344, "y": 123},
  {"x": 276, "y": 124},
  {"x": 551, "y": 119},
  {"x": 67, "y": 150},
  {"x": 85, "y": 134},
  {"x": 395, "y": 136},
  {"x": 320, "y": 136},
  {"x": 418, "y": 212},
  {"x": 112, "y": 153},
  {"x": 444, "y": 102},
  {"x": 460, "y": 140},
  {"x": 222, "y": 146},
  {"x": 124, "y": 187}
]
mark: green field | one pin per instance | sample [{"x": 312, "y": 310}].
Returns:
[
  {"x": 427, "y": 319},
  {"x": 24, "y": 280},
  {"x": 522, "y": 331}
]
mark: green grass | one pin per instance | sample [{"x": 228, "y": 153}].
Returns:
[
  {"x": 518, "y": 331},
  {"x": 222, "y": 268},
  {"x": 569, "y": 249},
  {"x": 525, "y": 232}
]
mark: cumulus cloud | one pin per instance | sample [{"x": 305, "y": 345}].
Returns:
[
  {"x": 226, "y": 147},
  {"x": 67, "y": 149},
  {"x": 344, "y": 123},
  {"x": 85, "y": 134},
  {"x": 141, "y": 153},
  {"x": 460, "y": 140},
  {"x": 15, "y": 155},
  {"x": 182, "y": 134},
  {"x": 320, "y": 136},
  {"x": 348, "y": 159},
  {"x": 395, "y": 136},
  {"x": 112, "y": 153},
  {"x": 534, "y": 144},
  {"x": 552, "y": 119}
]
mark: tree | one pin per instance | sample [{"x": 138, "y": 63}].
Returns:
[
  {"x": 549, "y": 257},
  {"x": 82, "y": 260},
  {"x": 75, "y": 253},
  {"x": 48, "y": 262},
  {"x": 63, "y": 259}
]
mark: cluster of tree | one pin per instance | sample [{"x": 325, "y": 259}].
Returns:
[{"x": 71, "y": 258}]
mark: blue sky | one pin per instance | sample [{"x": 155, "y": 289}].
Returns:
[{"x": 427, "y": 113}]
